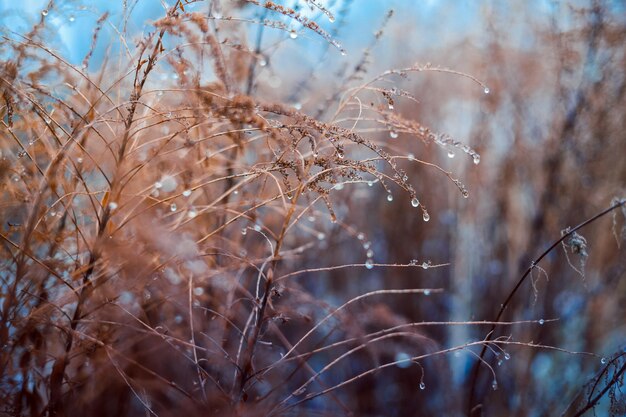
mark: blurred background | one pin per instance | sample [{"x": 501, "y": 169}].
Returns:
[{"x": 551, "y": 133}]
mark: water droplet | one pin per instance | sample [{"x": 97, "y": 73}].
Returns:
[
  {"x": 331, "y": 18},
  {"x": 257, "y": 227},
  {"x": 173, "y": 207},
  {"x": 340, "y": 154},
  {"x": 487, "y": 90},
  {"x": 370, "y": 253},
  {"x": 192, "y": 213},
  {"x": 392, "y": 133},
  {"x": 159, "y": 93},
  {"x": 507, "y": 356},
  {"x": 426, "y": 216},
  {"x": 343, "y": 52},
  {"x": 603, "y": 361},
  {"x": 427, "y": 292},
  {"x": 158, "y": 185},
  {"x": 198, "y": 291},
  {"x": 71, "y": 18},
  {"x": 369, "y": 264},
  {"x": 321, "y": 236},
  {"x": 499, "y": 362},
  {"x": 389, "y": 197},
  {"x": 21, "y": 154},
  {"x": 415, "y": 202},
  {"x": 494, "y": 385},
  {"x": 311, "y": 219},
  {"x": 44, "y": 12},
  {"x": 367, "y": 245},
  {"x": 465, "y": 193},
  {"x": 476, "y": 159},
  {"x": 300, "y": 391},
  {"x": 79, "y": 160},
  {"x": 370, "y": 183},
  {"x": 112, "y": 205},
  {"x": 411, "y": 157},
  {"x": 422, "y": 386},
  {"x": 262, "y": 62},
  {"x": 390, "y": 106},
  {"x": 450, "y": 154},
  {"x": 425, "y": 265},
  {"x": 244, "y": 231},
  {"x": 293, "y": 34},
  {"x": 186, "y": 193},
  {"x": 360, "y": 236},
  {"x": 541, "y": 321}
]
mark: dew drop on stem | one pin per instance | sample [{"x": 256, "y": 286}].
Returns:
[
  {"x": 494, "y": 385},
  {"x": 450, "y": 154},
  {"x": 422, "y": 386},
  {"x": 415, "y": 202},
  {"x": 389, "y": 197},
  {"x": 603, "y": 361},
  {"x": 293, "y": 34},
  {"x": 486, "y": 90},
  {"x": 369, "y": 263}
]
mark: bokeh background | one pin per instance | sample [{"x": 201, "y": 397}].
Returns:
[{"x": 551, "y": 133}]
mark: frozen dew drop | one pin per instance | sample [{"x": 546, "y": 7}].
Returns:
[
  {"x": 487, "y": 90},
  {"x": 392, "y": 133},
  {"x": 494, "y": 385},
  {"x": 44, "y": 12},
  {"x": 367, "y": 245},
  {"x": 422, "y": 386},
  {"x": 244, "y": 230},
  {"x": 411, "y": 157},
  {"x": 390, "y": 106},
  {"x": 415, "y": 202},
  {"x": 186, "y": 193},
  {"x": 465, "y": 194},
  {"x": 71, "y": 18},
  {"x": 293, "y": 34},
  {"x": 426, "y": 216},
  {"x": 158, "y": 185},
  {"x": 450, "y": 154},
  {"x": 360, "y": 236},
  {"x": 603, "y": 361},
  {"x": 192, "y": 213},
  {"x": 340, "y": 154},
  {"x": 370, "y": 183},
  {"x": 541, "y": 321},
  {"x": 257, "y": 227},
  {"x": 370, "y": 253},
  {"x": 369, "y": 264},
  {"x": 425, "y": 265},
  {"x": 507, "y": 356},
  {"x": 389, "y": 197},
  {"x": 173, "y": 207},
  {"x": 112, "y": 205},
  {"x": 476, "y": 159},
  {"x": 426, "y": 293}
]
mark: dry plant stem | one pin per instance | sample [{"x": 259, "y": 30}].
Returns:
[
  {"x": 246, "y": 368},
  {"x": 58, "y": 371},
  {"x": 477, "y": 367},
  {"x": 484, "y": 343},
  {"x": 591, "y": 402}
]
